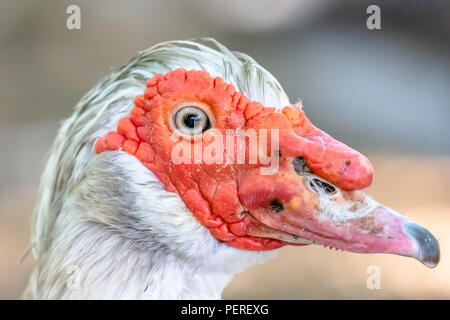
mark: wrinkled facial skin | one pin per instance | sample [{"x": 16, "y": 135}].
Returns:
[{"x": 313, "y": 197}]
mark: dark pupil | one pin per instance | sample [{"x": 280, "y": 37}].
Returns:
[{"x": 190, "y": 119}]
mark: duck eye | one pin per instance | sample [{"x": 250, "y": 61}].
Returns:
[{"x": 192, "y": 120}]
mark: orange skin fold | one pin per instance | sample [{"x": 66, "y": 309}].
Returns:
[{"x": 221, "y": 195}]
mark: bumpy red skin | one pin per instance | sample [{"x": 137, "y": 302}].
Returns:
[{"x": 211, "y": 191}]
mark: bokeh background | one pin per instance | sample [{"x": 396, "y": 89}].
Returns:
[{"x": 384, "y": 92}]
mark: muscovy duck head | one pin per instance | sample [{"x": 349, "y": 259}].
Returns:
[{"x": 313, "y": 194}]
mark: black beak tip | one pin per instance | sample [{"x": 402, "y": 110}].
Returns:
[{"x": 427, "y": 245}]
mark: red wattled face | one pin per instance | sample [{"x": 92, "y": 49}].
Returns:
[{"x": 183, "y": 112}]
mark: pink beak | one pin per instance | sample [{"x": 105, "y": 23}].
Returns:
[{"x": 323, "y": 204}]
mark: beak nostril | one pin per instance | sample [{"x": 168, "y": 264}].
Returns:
[
  {"x": 300, "y": 166},
  {"x": 276, "y": 205},
  {"x": 328, "y": 188}
]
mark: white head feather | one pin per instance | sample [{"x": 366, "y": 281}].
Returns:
[{"x": 109, "y": 218}]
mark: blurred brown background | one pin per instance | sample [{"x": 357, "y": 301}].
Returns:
[{"x": 384, "y": 92}]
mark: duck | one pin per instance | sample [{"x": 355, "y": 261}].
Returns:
[{"x": 188, "y": 165}]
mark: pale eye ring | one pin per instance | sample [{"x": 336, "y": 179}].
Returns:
[{"x": 191, "y": 120}]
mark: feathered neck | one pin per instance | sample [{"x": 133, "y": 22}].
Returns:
[
  {"x": 120, "y": 235},
  {"x": 91, "y": 262}
]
